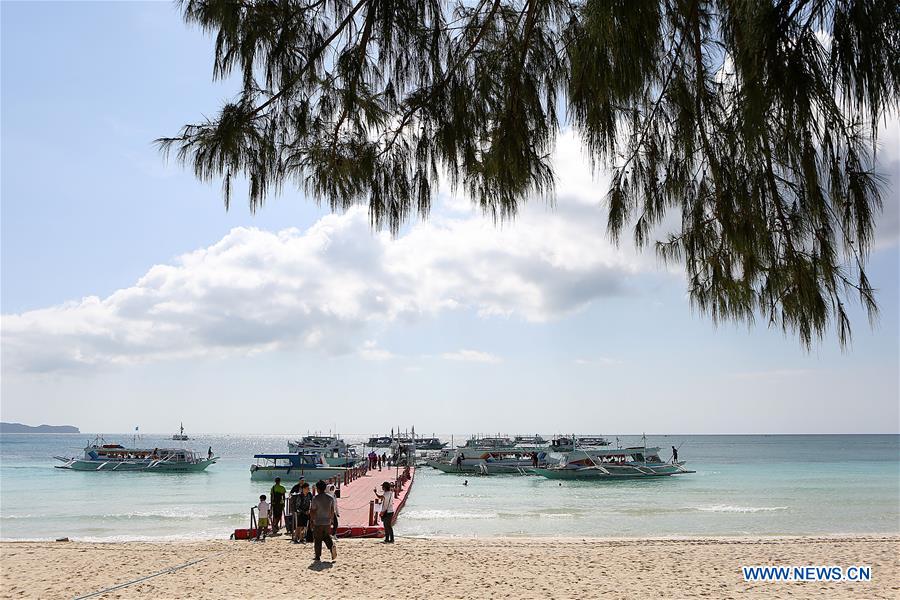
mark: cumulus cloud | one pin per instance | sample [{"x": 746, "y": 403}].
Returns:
[
  {"x": 371, "y": 351},
  {"x": 325, "y": 289},
  {"x": 472, "y": 356},
  {"x": 330, "y": 287},
  {"x": 887, "y": 232}
]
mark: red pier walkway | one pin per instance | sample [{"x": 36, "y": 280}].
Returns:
[{"x": 357, "y": 502}]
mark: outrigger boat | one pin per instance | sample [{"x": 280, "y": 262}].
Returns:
[
  {"x": 498, "y": 442},
  {"x": 530, "y": 440},
  {"x": 421, "y": 443},
  {"x": 180, "y": 437},
  {"x": 99, "y": 456},
  {"x": 334, "y": 450},
  {"x": 310, "y": 466},
  {"x": 636, "y": 462},
  {"x": 491, "y": 460},
  {"x": 569, "y": 443}
]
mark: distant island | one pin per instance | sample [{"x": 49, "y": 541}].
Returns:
[{"x": 20, "y": 428}]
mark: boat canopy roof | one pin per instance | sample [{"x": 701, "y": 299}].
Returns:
[{"x": 291, "y": 455}]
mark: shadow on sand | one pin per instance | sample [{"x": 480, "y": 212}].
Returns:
[{"x": 320, "y": 566}]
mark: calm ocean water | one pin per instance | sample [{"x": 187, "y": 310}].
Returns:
[{"x": 744, "y": 485}]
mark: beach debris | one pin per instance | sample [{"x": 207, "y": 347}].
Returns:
[{"x": 62, "y": 539}]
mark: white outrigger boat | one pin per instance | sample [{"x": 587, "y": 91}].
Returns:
[
  {"x": 334, "y": 450},
  {"x": 100, "y": 456},
  {"x": 310, "y": 466},
  {"x": 637, "y": 462},
  {"x": 495, "y": 461},
  {"x": 492, "y": 456}
]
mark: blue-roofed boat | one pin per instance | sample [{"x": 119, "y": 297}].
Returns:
[
  {"x": 334, "y": 450},
  {"x": 310, "y": 466}
]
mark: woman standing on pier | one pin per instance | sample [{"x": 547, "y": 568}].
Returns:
[{"x": 387, "y": 511}]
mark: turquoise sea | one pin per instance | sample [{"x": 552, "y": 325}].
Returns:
[{"x": 744, "y": 485}]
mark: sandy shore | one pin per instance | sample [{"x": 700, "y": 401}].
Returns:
[{"x": 448, "y": 568}]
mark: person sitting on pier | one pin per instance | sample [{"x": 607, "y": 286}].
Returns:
[
  {"x": 321, "y": 515},
  {"x": 387, "y": 511}
]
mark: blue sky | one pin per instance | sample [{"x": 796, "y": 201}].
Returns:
[{"x": 130, "y": 297}]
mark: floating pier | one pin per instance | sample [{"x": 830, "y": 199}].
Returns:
[{"x": 356, "y": 504}]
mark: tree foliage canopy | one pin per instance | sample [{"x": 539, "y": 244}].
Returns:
[{"x": 755, "y": 120}]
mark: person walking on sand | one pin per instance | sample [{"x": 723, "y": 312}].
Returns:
[
  {"x": 277, "y": 494},
  {"x": 387, "y": 511},
  {"x": 321, "y": 515}
]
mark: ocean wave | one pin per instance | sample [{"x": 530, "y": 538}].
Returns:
[
  {"x": 435, "y": 514},
  {"x": 152, "y": 515},
  {"x": 727, "y": 508}
]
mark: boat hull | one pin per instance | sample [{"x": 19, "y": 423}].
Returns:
[
  {"x": 135, "y": 467},
  {"x": 483, "y": 468},
  {"x": 611, "y": 473},
  {"x": 342, "y": 461},
  {"x": 289, "y": 474}
]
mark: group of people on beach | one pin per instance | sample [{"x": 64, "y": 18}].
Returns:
[{"x": 313, "y": 518}]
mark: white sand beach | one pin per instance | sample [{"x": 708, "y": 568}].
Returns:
[{"x": 448, "y": 568}]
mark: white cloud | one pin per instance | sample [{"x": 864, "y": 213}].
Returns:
[
  {"x": 887, "y": 232},
  {"x": 327, "y": 288},
  {"x": 472, "y": 356},
  {"x": 371, "y": 351}
]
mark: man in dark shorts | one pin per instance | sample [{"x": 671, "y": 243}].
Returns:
[
  {"x": 321, "y": 514},
  {"x": 277, "y": 494}
]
